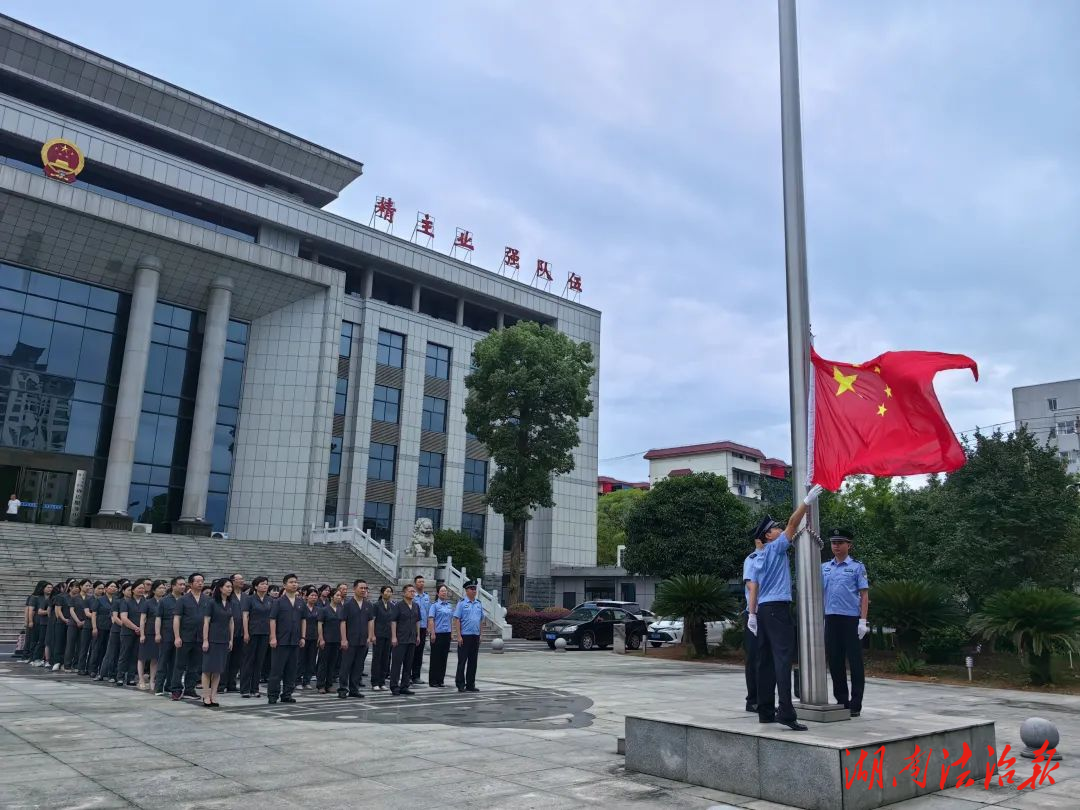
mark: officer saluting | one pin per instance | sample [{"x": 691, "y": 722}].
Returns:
[
  {"x": 770, "y": 617},
  {"x": 845, "y": 585},
  {"x": 749, "y": 639}
]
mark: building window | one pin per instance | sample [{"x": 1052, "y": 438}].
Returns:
[
  {"x": 381, "y": 461},
  {"x": 335, "y": 455},
  {"x": 431, "y": 466},
  {"x": 341, "y": 396},
  {"x": 346, "y": 339},
  {"x": 472, "y": 524},
  {"x": 434, "y": 419},
  {"x": 438, "y": 361},
  {"x": 379, "y": 520},
  {"x": 391, "y": 351},
  {"x": 475, "y": 475},
  {"x": 387, "y": 404},
  {"x": 1052, "y": 403},
  {"x": 434, "y": 515},
  {"x": 1066, "y": 427}
]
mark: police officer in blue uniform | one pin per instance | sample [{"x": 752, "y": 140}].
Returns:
[
  {"x": 749, "y": 639},
  {"x": 770, "y": 617},
  {"x": 845, "y": 585},
  {"x": 467, "y": 620}
]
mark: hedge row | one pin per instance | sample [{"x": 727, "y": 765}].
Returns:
[{"x": 527, "y": 624}]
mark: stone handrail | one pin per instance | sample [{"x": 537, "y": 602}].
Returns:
[
  {"x": 455, "y": 580},
  {"x": 362, "y": 542}
]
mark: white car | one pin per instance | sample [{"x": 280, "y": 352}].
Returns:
[{"x": 669, "y": 630}]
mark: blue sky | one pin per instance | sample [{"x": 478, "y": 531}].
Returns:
[{"x": 638, "y": 144}]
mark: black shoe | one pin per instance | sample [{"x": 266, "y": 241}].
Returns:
[
  {"x": 437, "y": 685},
  {"x": 288, "y": 700},
  {"x": 793, "y": 724},
  {"x": 244, "y": 695},
  {"x": 342, "y": 694},
  {"x": 406, "y": 692},
  {"x": 766, "y": 719},
  {"x": 395, "y": 691},
  {"x": 118, "y": 683},
  {"x": 751, "y": 707},
  {"x": 471, "y": 689},
  {"x": 461, "y": 688},
  {"x": 175, "y": 695},
  {"x": 271, "y": 701},
  {"x": 355, "y": 695},
  {"x": 856, "y": 713}
]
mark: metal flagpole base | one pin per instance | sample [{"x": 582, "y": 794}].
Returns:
[{"x": 821, "y": 713}]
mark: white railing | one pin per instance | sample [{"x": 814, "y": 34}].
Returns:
[
  {"x": 362, "y": 542},
  {"x": 455, "y": 580}
]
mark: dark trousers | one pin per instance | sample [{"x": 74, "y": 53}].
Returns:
[
  {"x": 38, "y": 650},
  {"x": 308, "y": 667},
  {"x": 58, "y": 643},
  {"x": 129, "y": 654},
  {"x": 101, "y": 644},
  {"x": 842, "y": 645},
  {"x": 401, "y": 659},
  {"x": 231, "y": 679},
  {"x": 380, "y": 662},
  {"x": 328, "y": 665},
  {"x": 751, "y": 648},
  {"x": 418, "y": 657},
  {"x": 71, "y": 646},
  {"x": 112, "y": 655},
  {"x": 283, "y": 663},
  {"x": 776, "y": 646},
  {"x": 352, "y": 668},
  {"x": 86, "y": 636},
  {"x": 166, "y": 661},
  {"x": 467, "y": 653},
  {"x": 187, "y": 668},
  {"x": 440, "y": 650},
  {"x": 254, "y": 658}
]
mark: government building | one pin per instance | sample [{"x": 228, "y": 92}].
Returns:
[{"x": 189, "y": 341}]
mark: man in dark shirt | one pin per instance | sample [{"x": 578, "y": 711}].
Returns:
[
  {"x": 357, "y": 633},
  {"x": 187, "y": 640},
  {"x": 404, "y": 636},
  {"x": 286, "y": 639},
  {"x": 163, "y": 634}
]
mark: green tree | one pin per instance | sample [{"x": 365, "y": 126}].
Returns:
[
  {"x": 526, "y": 394},
  {"x": 1035, "y": 620},
  {"x": 911, "y": 607},
  {"x": 692, "y": 524},
  {"x": 697, "y": 598},
  {"x": 612, "y": 510},
  {"x": 462, "y": 549},
  {"x": 1008, "y": 518}
]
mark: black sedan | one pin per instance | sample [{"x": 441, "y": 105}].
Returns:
[{"x": 589, "y": 627}]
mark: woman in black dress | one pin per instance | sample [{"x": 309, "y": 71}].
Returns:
[
  {"x": 42, "y": 592},
  {"x": 329, "y": 642},
  {"x": 130, "y": 610},
  {"x": 148, "y": 646},
  {"x": 324, "y": 594},
  {"x": 309, "y": 654},
  {"x": 256, "y": 617},
  {"x": 381, "y": 614},
  {"x": 217, "y": 640},
  {"x": 102, "y": 622}
]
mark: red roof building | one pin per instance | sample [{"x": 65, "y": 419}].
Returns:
[{"x": 740, "y": 464}]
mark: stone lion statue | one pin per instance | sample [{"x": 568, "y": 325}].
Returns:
[{"x": 423, "y": 538}]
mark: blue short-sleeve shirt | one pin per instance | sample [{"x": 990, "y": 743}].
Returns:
[
  {"x": 441, "y": 612},
  {"x": 423, "y": 601},
  {"x": 470, "y": 612},
  {"x": 842, "y": 582},
  {"x": 772, "y": 572},
  {"x": 748, "y": 573}
]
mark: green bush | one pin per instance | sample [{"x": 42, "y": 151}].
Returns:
[
  {"x": 558, "y": 612},
  {"x": 944, "y": 645},
  {"x": 527, "y": 624},
  {"x": 912, "y": 607},
  {"x": 521, "y": 607},
  {"x": 697, "y": 598},
  {"x": 733, "y": 637},
  {"x": 463, "y": 549},
  {"x": 909, "y": 665}
]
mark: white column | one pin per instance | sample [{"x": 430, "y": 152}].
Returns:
[
  {"x": 197, "y": 480},
  {"x": 416, "y": 298},
  {"x": 125, "y": 429},
  {"x": 500, "y": 321},
  {"x": 459, "y": 316},
  {"x": 367, "y": 281}
]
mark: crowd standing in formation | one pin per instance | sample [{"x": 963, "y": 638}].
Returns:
[{"x": 173, "y": 637}]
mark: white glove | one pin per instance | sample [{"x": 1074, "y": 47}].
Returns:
[
  {"x": 751, "y": 623},
  {"x": 864, "y": 628},
  {"x": 812, "y": 495}
]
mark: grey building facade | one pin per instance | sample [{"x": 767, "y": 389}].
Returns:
[
  {"x": 1051, "y": 411},
  {"x": 188, "y": 340}
]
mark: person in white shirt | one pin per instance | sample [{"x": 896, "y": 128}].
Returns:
[{"x": 13, "y": 505}]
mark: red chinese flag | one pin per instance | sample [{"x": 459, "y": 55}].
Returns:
[{"x": 882, "y": 417}]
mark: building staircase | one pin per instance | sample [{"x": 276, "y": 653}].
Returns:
[{"x": 29, "y": 553}]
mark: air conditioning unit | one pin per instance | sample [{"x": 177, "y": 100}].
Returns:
[
  {"x": 142, "y": 528},
  {"x": 219, "y": 535}
]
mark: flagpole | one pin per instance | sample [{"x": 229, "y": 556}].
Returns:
[{"x": 813, "y": 688}]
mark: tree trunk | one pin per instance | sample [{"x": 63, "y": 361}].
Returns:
[
  {"x": 517, "y": 552},
  {"x": 698, "y": 636},
  {"x": 1040, "y": 667}
]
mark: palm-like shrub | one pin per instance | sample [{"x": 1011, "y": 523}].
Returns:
[
  {"x": 1035, "y": 620},
  {"x": 912, "y": 607},
  {"x": 698, "y": 598}
]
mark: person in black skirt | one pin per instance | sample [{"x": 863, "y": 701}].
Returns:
[
  {"x": 77, "y": 593},
  {"x": 112, "y": 650},
  {"x": 86, "y": 638},
  {"x": 310, "y": 654},
  {"x": 163, "y": 634},
  {"x": 42, "y": 593},
  {"x": 58, "y": 629},
  {"x": 440, "y": 627},
  {"x": 381, "y": 616},
  {"x": 102, "y": 621},
  {"x": 329, "y": 643},
  {"x": 129, "y": 636},
  {"x": 149, "y": 647},
  {"x": 231, "y": 678},
  {"x": 256, "y": 617},
  {"x": 217, "y": 639}
]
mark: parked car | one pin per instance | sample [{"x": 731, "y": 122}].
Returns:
[
  {"x": 629, "y": 607},
  {"x": 669, "y": 630},
  {"x": 590, "y": 626}
]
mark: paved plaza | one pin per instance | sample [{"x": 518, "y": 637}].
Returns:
[{"x": 542, "y": 733}]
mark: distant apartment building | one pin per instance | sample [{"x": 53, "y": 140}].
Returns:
[
  {"x": 742, "y": 466},
  {"x": 606, "y": 484},
  {"x": 1051, "y": 412}
]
